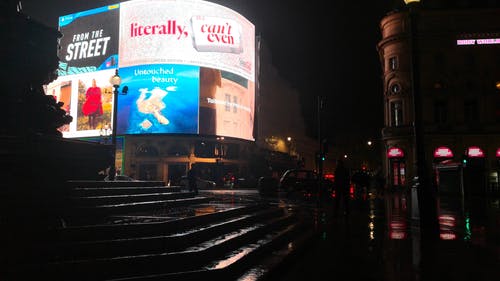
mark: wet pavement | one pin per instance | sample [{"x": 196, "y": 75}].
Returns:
[{"x": 381, "y": 240}]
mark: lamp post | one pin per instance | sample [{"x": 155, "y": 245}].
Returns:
[
  {"x": 115, "y": 81},
  {"x": 427, "y": 209}
]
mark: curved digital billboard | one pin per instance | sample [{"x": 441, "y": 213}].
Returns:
[{"x": 187, "y": 67}]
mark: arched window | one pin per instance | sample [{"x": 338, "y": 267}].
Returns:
[{"x": 146, "y": 151}]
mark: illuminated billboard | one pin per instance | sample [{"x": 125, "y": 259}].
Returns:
[{"x": 188, "y": 67}]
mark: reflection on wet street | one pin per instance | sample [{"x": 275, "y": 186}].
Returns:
[{"x": 381, "y": 240}]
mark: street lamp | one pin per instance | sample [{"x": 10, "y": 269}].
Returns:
[
  {"x": 115, "y": 81},
  {"x": 289, "y": 140}
]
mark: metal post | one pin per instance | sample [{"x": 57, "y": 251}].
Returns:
[
  {"x": 112, "y": 168},
  {"x": 426, "y": 196},
  {"x": 115, "y": 81},
  {"x": 320, "y": 149}
]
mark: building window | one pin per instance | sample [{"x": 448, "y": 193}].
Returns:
[
  {"x": 470, "y": 112},
  {"x": 395, "y": 88},
  {"x": 396, "y": 114},
  {"x": 393, "y": 63},
  {"x": 440, "y": 112}
]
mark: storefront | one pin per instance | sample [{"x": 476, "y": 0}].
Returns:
[
  {"x": 447, "y": 173},
  {"x": 397, "y": 164},
  {"x": 474, "y": 171},
  {"x": 494, "y": 178}
]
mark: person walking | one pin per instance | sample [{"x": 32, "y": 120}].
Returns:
[
  {"x": 192, "y": 180},
  {"x": 342, "y": 182}
]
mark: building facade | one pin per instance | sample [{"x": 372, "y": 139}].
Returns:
[
  {"x": 442, "y": 63},
  {"x": 280, "y": 141},
  {"x": 197, "y": 101}
]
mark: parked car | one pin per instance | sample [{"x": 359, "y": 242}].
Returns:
[
  {"x": 304, "y": 182},
  {"x": 200, "y": 183},
  {"x": 228, "y": 180}
]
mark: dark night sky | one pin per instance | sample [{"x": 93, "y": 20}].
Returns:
[{"x": 327, "y": 50}]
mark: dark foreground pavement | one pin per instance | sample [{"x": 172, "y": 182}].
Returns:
[{"x": 378, "y": 240}]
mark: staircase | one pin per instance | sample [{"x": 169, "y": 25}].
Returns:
[{"x": 165, "y": 233}]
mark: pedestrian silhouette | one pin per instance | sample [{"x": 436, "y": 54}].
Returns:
[
  {"x": 192, "y": 180},
  {"x": 342, "y": 182}
]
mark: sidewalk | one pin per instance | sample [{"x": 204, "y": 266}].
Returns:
[{"x": 376, "y": 241}]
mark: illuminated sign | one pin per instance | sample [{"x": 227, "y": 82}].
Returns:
[
  {"x": 498, "y": 152},
  {"x": 89, "y": 42},
  {"x": 188, "y": 67},
  {"x": 395, "y": 152},
  {"x": 443, "y": 152},
  {"x": 475, "y": 152},
  {"x": 486, "y": 41}
]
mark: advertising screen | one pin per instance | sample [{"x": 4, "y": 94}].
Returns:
[{"x": 188, "y": 67}]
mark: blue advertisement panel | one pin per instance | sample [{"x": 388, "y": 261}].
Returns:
[{"x": 161, "y": 98}]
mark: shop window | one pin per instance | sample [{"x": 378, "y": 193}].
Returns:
[
  {"x": 396, "y": 113},
  {"x": 148, "y": 172}
]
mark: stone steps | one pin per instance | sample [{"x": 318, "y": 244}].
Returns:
[
  {"x": 137, "y": 233},
  {"x": 167, "y": 238}
]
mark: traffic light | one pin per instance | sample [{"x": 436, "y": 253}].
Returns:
[
  {"x": 320, "y": 156},
  {"x": 464, "y": 161}
]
